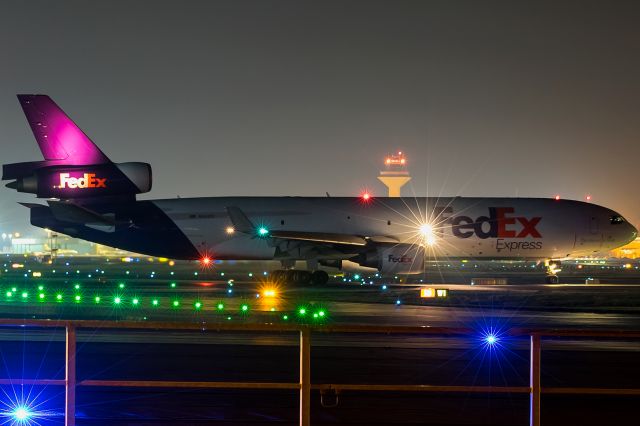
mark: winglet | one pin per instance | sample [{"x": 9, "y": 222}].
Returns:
[{"x": 240, "y": 221}]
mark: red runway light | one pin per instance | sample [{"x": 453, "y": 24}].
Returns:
[
  {"x": 557, "y": 197},
  {"x": 206, "y": 261}
]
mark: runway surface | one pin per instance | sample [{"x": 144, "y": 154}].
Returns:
[{"x": 353, "y": 358}]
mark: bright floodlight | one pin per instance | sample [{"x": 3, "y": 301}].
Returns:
[
  {"x": 427, "y": 233},
  {"x": 21, "y": 414},
  {"x": 491, "y": 339},
  {"x": 262, "y": 231}
]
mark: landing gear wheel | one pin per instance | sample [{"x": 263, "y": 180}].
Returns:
[
  {"x": 319, "y": 277},
  {"x": 303, "y": 278},
  {"x": 298, "y": 277},
  {"x": 292, "y": 276},
  {"x": 552, "y": 279},
  {"x": 279, "y": 275}
]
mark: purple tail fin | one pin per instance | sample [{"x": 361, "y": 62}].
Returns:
[{"x": 59, "y": 138}]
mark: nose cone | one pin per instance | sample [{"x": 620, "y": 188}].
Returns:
[{"x": 631, "y": 232}]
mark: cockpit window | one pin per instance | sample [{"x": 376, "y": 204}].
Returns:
[{"x": 616, "y": 220}]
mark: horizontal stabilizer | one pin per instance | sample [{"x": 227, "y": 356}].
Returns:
[
  {"x": 31, "y": 205},
  {"x": 69, "y": 212}
]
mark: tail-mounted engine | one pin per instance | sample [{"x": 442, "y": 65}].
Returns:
[{"x": 70, "y": 181}]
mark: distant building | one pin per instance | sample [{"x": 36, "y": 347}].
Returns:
[{"x": 630, "y": 251}]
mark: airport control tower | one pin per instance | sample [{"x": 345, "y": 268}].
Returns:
[{"x": 395, "y": 174}]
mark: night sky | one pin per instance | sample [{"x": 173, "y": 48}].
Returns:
[{"x": 507, "y": 98}]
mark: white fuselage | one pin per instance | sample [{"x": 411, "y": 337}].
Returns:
[{"x": 501, "y": 228}]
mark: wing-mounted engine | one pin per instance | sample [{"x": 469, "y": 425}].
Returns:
[
  {"x": 395, "y": 259},
  {"x": 84, "y": 181}
]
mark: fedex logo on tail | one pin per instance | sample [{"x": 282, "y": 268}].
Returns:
[
  {"x": 501, "y": 223},
  {"x": 88, "y": 180}
]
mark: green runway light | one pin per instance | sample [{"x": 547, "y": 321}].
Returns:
[
  {"x": 244, "y": 308},
  {"x": 117, "y": 300},
  {"x": 315, "y": 315},
  {"x": 14, "y": 289},
  {"x": 321, "y": 313},
  {"x": 176, "y": 303},
  {"x": 59, "y": 297},
  {"x": 285, "y": 317},
  {"x": 173, "y": 285},
  {"x": 40, "y": 287},
  {"x": 9, "y": 294},
  {"x": 220, "y": 306},
  {"x": 41, "y": 295},
  {"x": 97, "y": 299},
  {"x": 229, "y": 318},
  {"x": 25, "y": 294},
  {"x": 197, "y": 305},
  {"x": 135, "y": 301},
  {"x": 154, "y": 302},
  {"x": 121, "y": 285},
  {"x": 302, "y": 311},
  {"x": 78, "y": 298},
  {"x": 77, "y": 286}
]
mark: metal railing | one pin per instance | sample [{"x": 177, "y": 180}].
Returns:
[{"x": 304, "y": 385}]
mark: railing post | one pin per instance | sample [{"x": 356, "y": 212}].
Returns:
[
  {"x": 534, "y": 380},
  {"x": 70, "y": 377},
  {"x": 305, "y": 377}
]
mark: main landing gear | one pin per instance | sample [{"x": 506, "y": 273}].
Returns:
[
  {"x": 300, "y": 277},
  {"x": 553, "y": 267}
]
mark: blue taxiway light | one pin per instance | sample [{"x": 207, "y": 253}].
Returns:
[{"x": 21, "y": 413}]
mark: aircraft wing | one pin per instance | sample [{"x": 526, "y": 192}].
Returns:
[
  {"x": 71, "y": 212},
  {"x": 320, "y": 237},
  {"x": 244, "y": 225}
]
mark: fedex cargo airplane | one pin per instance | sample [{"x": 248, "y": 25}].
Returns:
[{"x": 90, "y": 197}]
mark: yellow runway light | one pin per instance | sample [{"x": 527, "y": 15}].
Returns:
[{"x": 427, "y": 292}]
